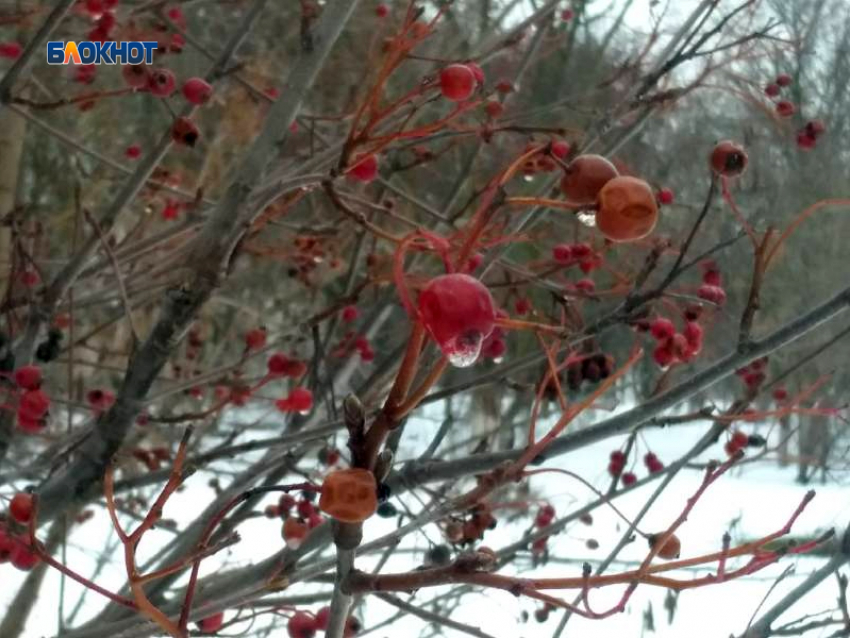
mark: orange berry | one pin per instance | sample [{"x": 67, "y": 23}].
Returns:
[
  {"x": 671, "y": 549},
  {"x": 349, "y": 495},
  {"x": 585, "y": 177},
  {"x": 627, "y": 209}
]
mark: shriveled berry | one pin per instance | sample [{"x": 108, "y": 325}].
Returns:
[
  {"x": 459, "y": 313},
  {"x": 197, "y": 91},
  {"x": 457, "y": 82},
  {"x": 626, "y": 210},
  {"x": 185, "y": 132},
  {"x": 161, "y": 82},
  {"x": 728, "y": 159},
  {"x": 585, "y": 176}
]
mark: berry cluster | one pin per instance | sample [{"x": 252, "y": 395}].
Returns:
[
  {"x": 673, "y": 347},
  {"x": 592, "y": 368}
]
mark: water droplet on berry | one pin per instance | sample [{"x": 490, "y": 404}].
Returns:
[
  {"x": 463, "y": 351},
  {"x": 588, "y": 218}
]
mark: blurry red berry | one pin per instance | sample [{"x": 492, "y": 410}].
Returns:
[
  {"x": 772, "y": 89},
  {"x": 197, "y": 91},
  {"x": 301, "y": 625},
  {"x": 161, "y": 82},
  {"x": 10, "y": 50},
  {"x": 662, "y": 328},
  {"x": 20, "y": 507},
  {"x": 211, "y": 624},
  {"x": 665, "y": 196},
  {"x": 628, "y": 478},
  {"x": 785, "y": 108},
  {"x": 255, "y": 338},
  {"x": 28, "y": 377},
  {"x": 365, "y": 168},
  {"x": 783, "y": 79}
]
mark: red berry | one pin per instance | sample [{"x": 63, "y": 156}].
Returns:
[
  {"x": 350, "y": 313},
  {"x": 567, "y": 15},
  {"x": 772, "y": 89},
  {"x": 457, "y": 82},
  {"x": 714, "y": 294},
  {"x": 322, "y": 618},
  {"x": 581, "y": 251},
  {"x": 586, "y": 286},
  {"x": 739, "y": 439},
  {"x": 134, "y": 151},
  {"x": 712, "y": 276},
  {"x": 560, "y": 149},
  {"x": 628, "y": 478},
  {"x": 33, "y": 405},
  {"x": 301, "y": 625},
  {"x": 459, "y": 313},
  {"x": 161, "y": 82},
  {"x": 271, "y": 511},
  {"x": 10, "y": 50},
  {"x": 730, "y": 448},
  {"x": 783, "y": 79},
  {"x": 665, "y": 196},
  {"x": 522, "y": 306},
  {"x": 815, "y": 128},
  {"x": 255, "y": 338},
  {"x": 100, "y": 400},
  {"x": 618, "y": 456},
  {"x": 298, "y": 400},
  {"x": 279, "y": 365},
  {"x": 197, "y": 91},
  {"x": 663, "y": 355},
  {"x": 614, "y": 469},
  {"x": 662, "y": 328},
  {"x": 23, "y": 557},
  {"x": 562, "y": 253},
  {"x": 211, "y": 624},
  {"x": 28, "y": 377},
  {"x": 493, "y": 108},
  {"x": 20, "y": 507},
  {"x": 805, "y": 141},
  {"x": 693, "y": 334},
  {"x": 382, "y": 11},
  {"x": 784, "y": 108},
  {"x": 477, "y": 71},
  {"x": 780, "y": 394},
  {"x": 728, "y": 159},
  {"x": 365, "y": 168},
  {"x": 286, "y": 502}
]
